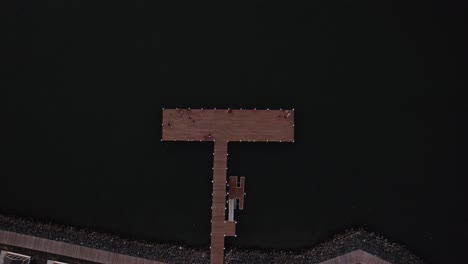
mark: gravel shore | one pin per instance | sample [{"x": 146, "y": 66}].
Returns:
[{"x": 170, "y": 253}]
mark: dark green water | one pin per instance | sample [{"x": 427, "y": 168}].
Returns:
[{"x": 380, "y": 126}]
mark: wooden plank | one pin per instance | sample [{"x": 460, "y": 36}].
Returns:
[
  {"x": 230, "y": 228},
  {"x": 69, "y": 250},
  {"x": 219, "y": 203},
  {"x": 229, "y": 125}
]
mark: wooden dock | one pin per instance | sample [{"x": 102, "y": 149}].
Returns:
[
  {"x": 69, "y": 250},
  {"x": 219, "y": 226},
  {"x": 222, "y": 126}
]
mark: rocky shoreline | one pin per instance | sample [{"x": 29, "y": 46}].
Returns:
[{"x": 170, "y": 253}]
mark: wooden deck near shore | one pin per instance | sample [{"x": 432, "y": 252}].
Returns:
[
  {"x": 356, "y": 257},
  {"x": 69, "y": 250}
]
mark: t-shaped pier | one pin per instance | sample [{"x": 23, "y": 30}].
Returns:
[{"x": 222, "y": 126}]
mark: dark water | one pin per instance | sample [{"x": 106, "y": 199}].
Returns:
[{"x": 380, "y": 127}]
